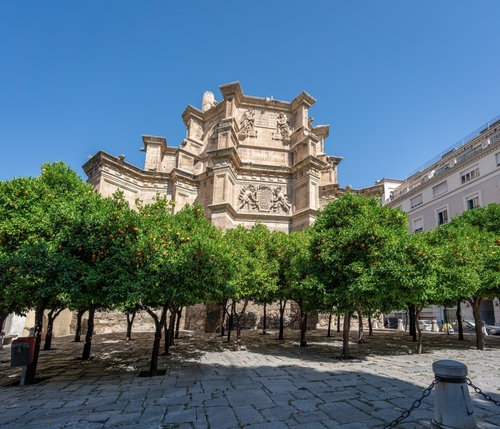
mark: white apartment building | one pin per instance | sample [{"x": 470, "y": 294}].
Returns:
[{"x": 463, "y": 177}]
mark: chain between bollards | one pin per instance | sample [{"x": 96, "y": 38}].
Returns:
[
  {"x": 415, "y": 405},
  {"x": 480, "y": 392}
]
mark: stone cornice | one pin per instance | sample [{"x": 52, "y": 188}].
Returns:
[
  {"x": 333, "y": 160},
  {"x": 147, "y": 139},
  {"x": 248, "y": 217},
  {"x": 303, "y": 98},
  {"x": 181, "y": 174},
  {"x": 229, "y": 152},
  {"x": 102, "y": 158},
  {"x": 190, "y": 112},
  {"x": 311, "y": 212},
  {"x": 307, "y": 162},
  {"x": 234, "y": 89},
  {"x": 322, "y": 131}
]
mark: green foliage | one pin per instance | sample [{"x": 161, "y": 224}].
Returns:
[
  {"x": 353, "y": 238},
  {"x": 181, "y": 257},
  {"x": 471, "y": 253},
  {"x": 255, "y": 273}
]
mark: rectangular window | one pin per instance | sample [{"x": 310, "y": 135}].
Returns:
[
  {"x": 416, "y": 201},
  {"x": 467, "y": 177},
  {"x": 418, "y": 225},
  {"x": 497, "y": 158},
  {"x": 442, "y": 217},
  {"x": 439, "y": 189},
  {"x": 472, "y": 202}
]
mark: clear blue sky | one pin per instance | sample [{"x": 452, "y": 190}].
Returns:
[{"x": 397, "y": 80}]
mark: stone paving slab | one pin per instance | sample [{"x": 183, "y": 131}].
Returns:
[{"x": 269, "y": 385}]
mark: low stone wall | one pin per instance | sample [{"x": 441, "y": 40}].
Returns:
[{"x": 199, "y": 318}]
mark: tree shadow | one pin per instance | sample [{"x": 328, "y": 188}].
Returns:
[{"x": 206, "y": 383}]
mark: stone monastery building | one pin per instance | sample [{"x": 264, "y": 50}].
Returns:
[{"x": 243, "y": 159}]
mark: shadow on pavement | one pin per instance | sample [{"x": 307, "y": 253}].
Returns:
[{"x": 271, "y": 384}]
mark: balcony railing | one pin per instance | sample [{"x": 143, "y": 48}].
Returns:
[
  {"x": 406, "y": 187},
  {"x": 456, "y": 146}
]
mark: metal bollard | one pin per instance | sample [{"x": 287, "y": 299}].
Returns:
[{"x": 452, "y": 404}]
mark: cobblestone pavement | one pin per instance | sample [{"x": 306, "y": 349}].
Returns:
[{"x": 272, "y": 384}]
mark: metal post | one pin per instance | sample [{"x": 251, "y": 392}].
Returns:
[{"x": 452, "y": 404}]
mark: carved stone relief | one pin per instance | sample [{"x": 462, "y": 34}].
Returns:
[
  {"x": 283, "y": 131},
  {"x": 247, "y": 125},
  {"x": 263, "y": 199}
]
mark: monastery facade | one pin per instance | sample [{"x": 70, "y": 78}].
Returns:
[{"x": 244, "y": 159}]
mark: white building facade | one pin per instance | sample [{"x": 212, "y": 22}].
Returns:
[{"x": 463, "y": 177}]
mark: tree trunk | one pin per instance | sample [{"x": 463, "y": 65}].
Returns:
[
  {"x": 3, "y": 318},
  {"x": 475, "y": 302},
  {"x": 413, "y": 330},
  {"x": 90, "y": 332},
  {"x": 361, "y": 332},
  {"x": 282, "y": 318},
  {"x": 419, "y": 330},
  {"x": 230, "y": 321},
  {"x": 78, "y": 328},
  {"x": 338, "y": 323},
  {"x": 223, "y": 318},
  {"x": 459, "y": 322},
  {"x": 168, "y": 332},
  {"x": 31, "y": 370},
  {"x": 345, "y": 335},
  {"x": 50, "y": 326},
  {"x": 446, "y": 322},
  {"x": 178, "y": 323},
  {"x": 328, "y": 333},
  {"x": 130, "y": 322},
  {"x": 171, "y": 326},
  {"x": 159, "y": 323},
  {"x": 370, "y": 327},
  {"x": 303, "y": 328},
  {"x": 238, "y": 324},
  {"x": 265, "y": 320}
]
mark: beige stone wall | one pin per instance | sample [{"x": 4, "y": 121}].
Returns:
[{"x": 61, "y": 324}]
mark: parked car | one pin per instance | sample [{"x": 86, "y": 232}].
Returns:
[
  {"x": 468, "y": 326},
  {"x": 492, "y": 330},
  {"x": 425, "y": 325}
]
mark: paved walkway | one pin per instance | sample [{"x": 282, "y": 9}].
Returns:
[{"x": 271, "y": 385}]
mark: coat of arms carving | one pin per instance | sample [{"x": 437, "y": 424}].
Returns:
[{"x": 263, "y": 199}]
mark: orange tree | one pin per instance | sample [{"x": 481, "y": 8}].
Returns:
[
  {"x": 471, "y": 259},
  {"x": 349, "y": 236},
  {"x": 96, "y": 238},
  {"x": 33, "y": 212},
  {"x": 408, "y": 271},
  {"x": 282, "y": 251},
  {"x": 304, "y": 286},
  {"x": 181, "y": 260},
  {"x": 9, "y": 302},
  {"x": 255, "y": 273}
]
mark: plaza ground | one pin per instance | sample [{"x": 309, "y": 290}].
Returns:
[{"x": 269, "y": 385}]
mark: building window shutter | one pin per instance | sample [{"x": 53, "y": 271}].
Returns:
[
  {"x": 416, "y": 201},
  {"x": 439, "y": 189}
]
